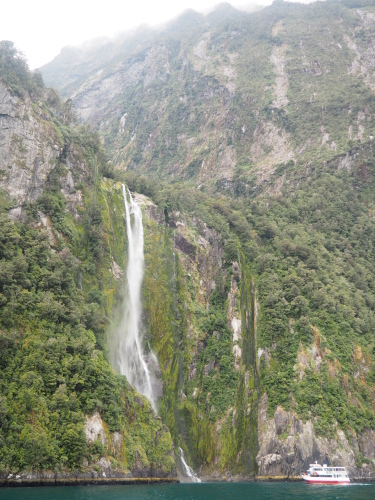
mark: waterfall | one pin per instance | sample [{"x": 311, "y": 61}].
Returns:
[
  {"x": 131, "y": 358},
  {"x": 174, "y": 254},
  {"x": 188, "y": 470}
]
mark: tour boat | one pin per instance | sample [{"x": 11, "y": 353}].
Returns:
[{"x": 318, "y": 474}]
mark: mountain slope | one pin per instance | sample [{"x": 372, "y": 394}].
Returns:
[
  {"x": 64, "y": 412},
  {"x": 253, "y": 136},
  {"x": 292, "y": 279},
  {"x": 230, "y": 98}
]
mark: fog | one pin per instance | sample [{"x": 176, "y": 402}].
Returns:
[{"x": 40, "y": 28}]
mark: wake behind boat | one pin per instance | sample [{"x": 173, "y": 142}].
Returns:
[{"x": 318, "y": 474}]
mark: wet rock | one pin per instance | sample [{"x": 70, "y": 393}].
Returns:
[
  {"x": 289, "y": 457},
  {"x": 316, "y": 357},
  {"x": 94, "y": 428},
  {"x": 272, "y": 463},
  {"x": 27, "y": 155},
  {"x": 367, "y": 444},
  {"x": 116, "y": 270},
  {"x": 185, "y": 246},
  {"x": 281, "y": 420},
  {"x": 117, "y": 440},
  {"x": 104, "y": 464},
  {"x": 210, "y": 366}
]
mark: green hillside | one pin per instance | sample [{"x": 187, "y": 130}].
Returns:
[
  {"x": 231, "y": 97},
  {"x": 57, "y": 297},
  {"x": 249, "y": 141},
  {"x": 307, "y": 259}
]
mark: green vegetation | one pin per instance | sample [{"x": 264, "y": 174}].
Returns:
[
  {"x": 16, "y": 75},
  {"x": 215, "y": 95},
  {"x": 57, "y": 295},
  {"x": 194, "y": 402},
  {"x": 310, "y": 252},
  {"x": 53, "y": 360},
  {"x": 294, "y": 236}
]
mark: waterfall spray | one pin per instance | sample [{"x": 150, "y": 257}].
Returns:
[
  {"x": 140, "y": 368},
  {"x": 174, "y": 255},
  {"x": 131, "y": 358},
  {"x": 188, "y": 470}
]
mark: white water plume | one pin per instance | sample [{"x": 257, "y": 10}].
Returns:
[
  {"x": 188, "y": 470},
  {"x": 131, "y": 358}
]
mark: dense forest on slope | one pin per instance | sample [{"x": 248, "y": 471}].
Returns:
[
  {"x": 310, "y": 253},
  {"x": 56, "y": 297},
  {"x": 252, "y": 138}
]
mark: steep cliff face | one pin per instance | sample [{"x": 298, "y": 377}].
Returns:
[
  {"x": 29, "y": 148},
  {"x": 241, "y": 437},
  {"x": 230, "y": 100},
  {"x": 259, "y": 297},
  {"x": 288, "y": 446},
  {"x": 262, "y": 352},
  {"x": 207, "y": 358},
  {"x": 65, "y": 415}
]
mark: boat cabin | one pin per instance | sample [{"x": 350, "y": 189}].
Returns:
[{"x": 325, "y": 471}]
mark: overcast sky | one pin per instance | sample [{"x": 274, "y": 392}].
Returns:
[{"x": 40, "y": 28}]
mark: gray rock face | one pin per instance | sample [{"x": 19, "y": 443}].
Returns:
[
  {"x": 92, "y": 98},
  {"x": 281, "y": 420},
  {"x": 94, "y": 428},
  {"x": 288, "y": 446},
  {"x": 28, "y": 150},
  {"x": 366, "y": 443}
]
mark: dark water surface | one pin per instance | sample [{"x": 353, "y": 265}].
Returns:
[{"x": 203, "y": 491}]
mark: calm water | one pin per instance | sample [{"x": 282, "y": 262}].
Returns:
[{"x": 203, "y": 491}]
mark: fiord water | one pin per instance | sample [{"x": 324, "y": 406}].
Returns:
[{"x": 195, "y": 491}]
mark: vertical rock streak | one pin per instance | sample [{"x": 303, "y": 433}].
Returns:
[{"x": 131, "y": 357}]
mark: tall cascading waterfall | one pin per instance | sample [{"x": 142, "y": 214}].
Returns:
[
  {"x": 139, "y": 368},
  {"x": 131, "y": 357}
]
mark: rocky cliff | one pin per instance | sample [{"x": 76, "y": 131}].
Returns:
[
  {"x": 29, "y": 148},
  {"x": 252, "y": 348},
  {"x": 65, "y": 415},
  {"x": 230, "y": 100},
  {"x": 254, "y": 135},
  {"x": 288, "y": 446}
]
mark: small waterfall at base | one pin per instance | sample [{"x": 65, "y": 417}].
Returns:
[
  {"x": 188, "y": 470},
  {"x": 131, "y": 358}
]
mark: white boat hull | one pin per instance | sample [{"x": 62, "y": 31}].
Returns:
[{"x": 325, "y": 480}]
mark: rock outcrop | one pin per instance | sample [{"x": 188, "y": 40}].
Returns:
[
  {"x": 28, "y": 149},
  {"x": 288, "y": 446}
]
